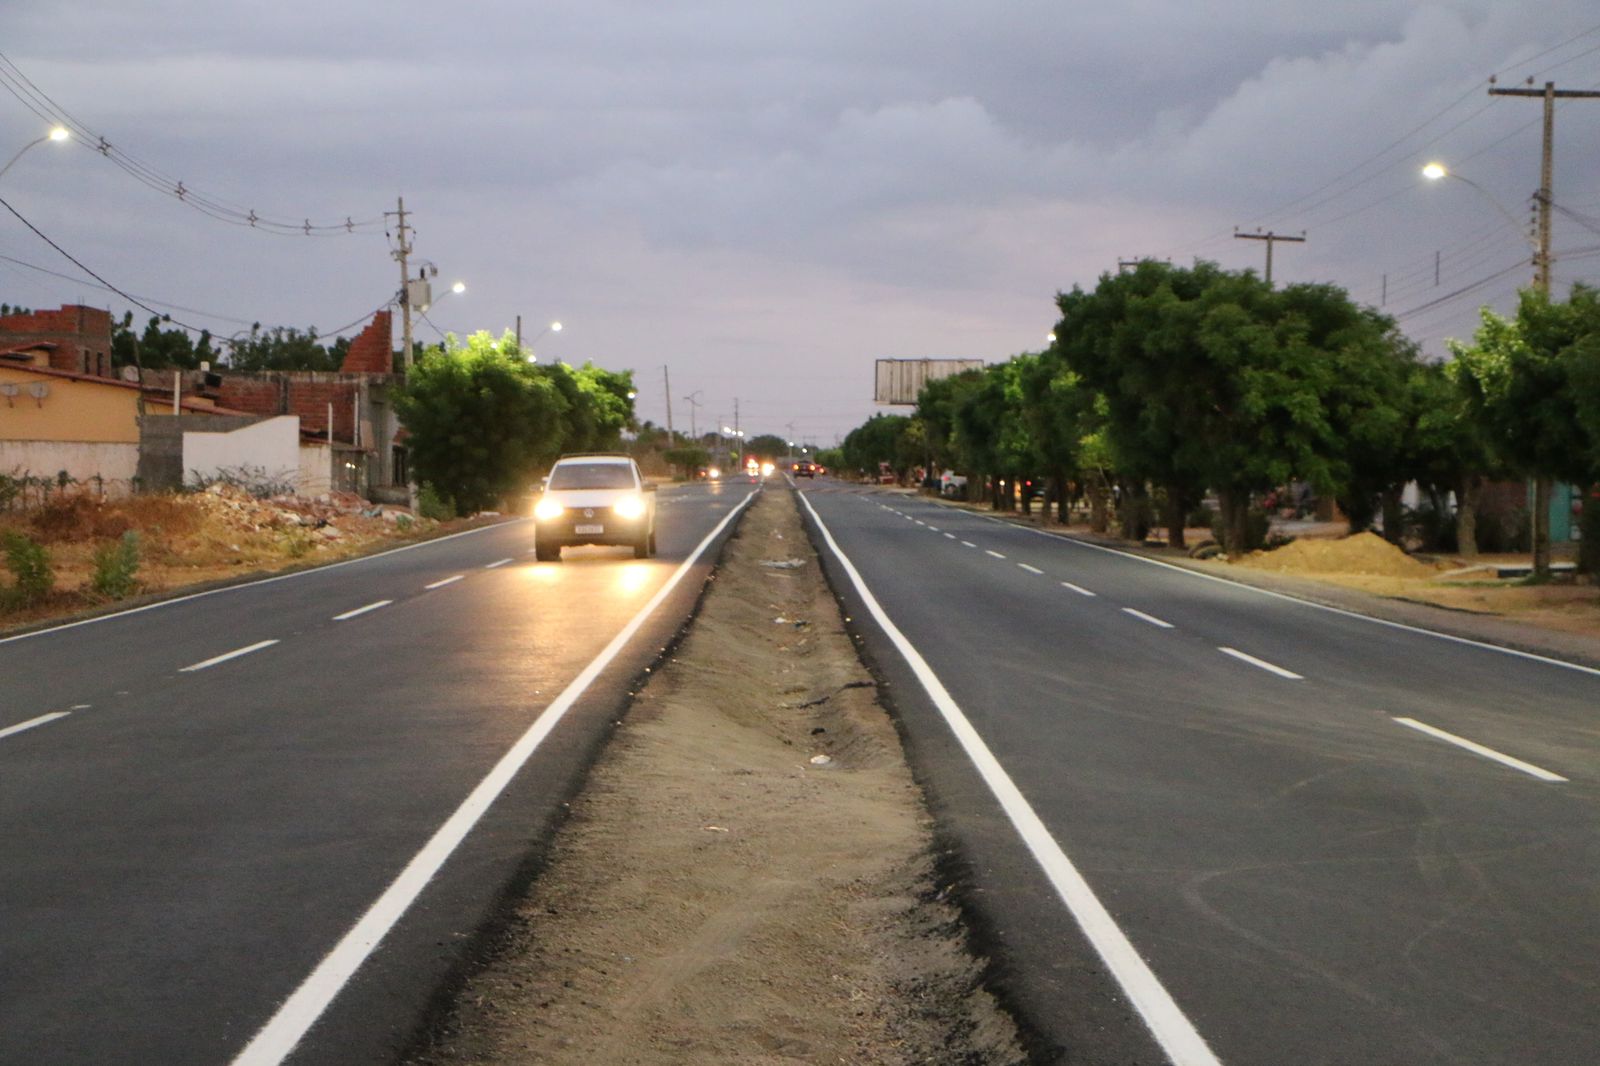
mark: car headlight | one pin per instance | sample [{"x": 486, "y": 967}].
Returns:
[
  {"x": 547, "y": 509},
  {"x": 629, "y": 507}
]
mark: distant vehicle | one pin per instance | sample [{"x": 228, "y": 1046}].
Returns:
[
  {"x": 595, "y": 499},
  {"x": 886, "y": 475},
  {"x": 804, "y": 468},
  {"x": 952, "y": 485}
]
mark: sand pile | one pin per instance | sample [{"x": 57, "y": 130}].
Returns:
[{"x": 1363, "y": 553}]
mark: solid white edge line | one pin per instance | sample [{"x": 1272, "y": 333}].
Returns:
[
  {"x": 445, "y": 581},
  {"x": 1171, "y": 1028},
  {"x": 497, "y": 563},
  {"x": 1518, "y": 653},
  {"x": 1152, "y": 619},
  {"x": 1478, "y": 749},
  {"x": 1079, "y": 589},
  {"x": 43, "y": 719},
  {"x": 1029, "y": 569},
  {"x": 276, "y": 1040},
  {"x": 361, "y": 610},
  {"x": 1261, "y": 664},
  {"x": 225, "y": 656}
]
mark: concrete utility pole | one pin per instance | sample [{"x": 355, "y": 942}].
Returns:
[
  {"x": 401, "y": 251},
  {"x": 1270, "y": 238},
  {"x": 1540, "y": 524},
  {"x": 666, "y": 380}
]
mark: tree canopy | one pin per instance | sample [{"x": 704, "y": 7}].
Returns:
[{"x": 482, "y": 420}]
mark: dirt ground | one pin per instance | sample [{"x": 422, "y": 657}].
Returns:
[
  {"x": 748, "y": 876},
  {"x": 188, "y": 539},
  {"x": 1367, "y": 562}
]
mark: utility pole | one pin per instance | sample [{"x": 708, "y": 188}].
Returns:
[
  {"x": 401, "y": 251},
  {"x": 736, "y": 416},
  {"x": 666, "y": 380},
  {"x": 1541, "y": 278},
  {"x": 1271, "y": 238},
  {"x": 694, "y": 408},
  {"x": 519, "y": 333}
]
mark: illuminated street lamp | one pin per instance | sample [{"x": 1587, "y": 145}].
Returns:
[
  {"x": 57, "y": 134},
  {"x": 554, "y": 327}
]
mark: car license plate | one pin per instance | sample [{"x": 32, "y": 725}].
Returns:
[{"x": 589, "y": 530}]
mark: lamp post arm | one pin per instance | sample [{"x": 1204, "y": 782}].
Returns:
[
  {"x": 1498, "y": 206},
  {"x": 22, "y": 152}
]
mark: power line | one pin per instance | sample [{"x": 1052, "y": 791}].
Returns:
[
  {"x": 37, "y": 101},
  {"x": 139, "y": 302}
]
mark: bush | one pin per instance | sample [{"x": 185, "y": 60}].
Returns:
[
  {"x": 29, "y": 563},
  {"x": 1432, "y": 529},
  {"x": 1201, "y": 517},
  {"x": 116, "y": 566},
  {"x": 433, "y": 504}
]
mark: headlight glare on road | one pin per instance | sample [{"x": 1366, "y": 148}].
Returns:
[
  {"x": 629, "y": 507},
  {"x": 547, "y": 509}
]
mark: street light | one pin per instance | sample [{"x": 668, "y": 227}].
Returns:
[
  {"x": 554, "y": 327},
  {"x": 57, "y": 134}
]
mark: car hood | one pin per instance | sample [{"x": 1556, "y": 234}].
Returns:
[{"x": 596, "y": 498}]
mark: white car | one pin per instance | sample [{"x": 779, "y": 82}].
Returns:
[{"x": 595, "y": 499}]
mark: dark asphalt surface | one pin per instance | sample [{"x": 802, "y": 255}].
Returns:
[
  {"x": 1312, "y": 881},
  {"x": 183, "y": 848}
]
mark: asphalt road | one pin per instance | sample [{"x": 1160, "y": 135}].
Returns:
[
  {"x": 200, "y": 801},
  {"x": 1202, "y": 823}
]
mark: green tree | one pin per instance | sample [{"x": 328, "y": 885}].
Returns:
[
  {"x": 281, "y": 348},
  {"x": 874, "y": 441},
  {"x": 1530, "y": 382},
  {"x": 482, "y": 420},
  {"x": 767, "y": 446},
  {"x": 157, "y": 348},
  {"x": 1213, "y": 379}
]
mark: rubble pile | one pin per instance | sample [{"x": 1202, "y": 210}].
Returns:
[{"x": 331, "y": 516}]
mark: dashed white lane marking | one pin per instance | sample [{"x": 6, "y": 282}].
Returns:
[
  {"x": 919, "y": 521},
  {"x": 1079, "y": 589},
  {"x": 968, "y": 544},
  {"x": 497, "y": 562},
  {"x": 934, "y": 529},
  {"x": 991, "y": 551},
  {"x": 446, "y": 581},
  {"x": 1479, "y": 749},
  {"x": 1171, "y": 1028},
  {"x": 276, "y": 1040},
  {"x": 225, "y": 656},
  {"x": 1593, "y": 671},
  {"x": 1263, "y": 664},
  {"x": 1153, "y": 620},
  {"x": 43, "y": 719},
  {"x": 952, "y": 536},
  {"x": 1030, "y": 569},
  {"x": 361, "y": 610}
]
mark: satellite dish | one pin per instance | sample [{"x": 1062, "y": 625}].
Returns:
[
  {"x": 39, "y": 390},
  {"x": 130, "y": 374}
]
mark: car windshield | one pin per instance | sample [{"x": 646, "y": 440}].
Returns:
[{"x": 591, "y": 476}]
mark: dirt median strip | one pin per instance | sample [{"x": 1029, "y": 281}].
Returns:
[{"x": 748, "y": 876}]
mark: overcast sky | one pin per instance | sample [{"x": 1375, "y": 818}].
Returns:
[{"x": 764, "y": 198}]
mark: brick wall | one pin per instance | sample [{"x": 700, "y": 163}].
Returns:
[
  {"x": 372, "y": 352},
  {"x": 82, "y": 335},
  {"x": 302, "y": 393}
]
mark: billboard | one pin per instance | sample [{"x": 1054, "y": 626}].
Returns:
[{"x": 899, "y": 380}]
